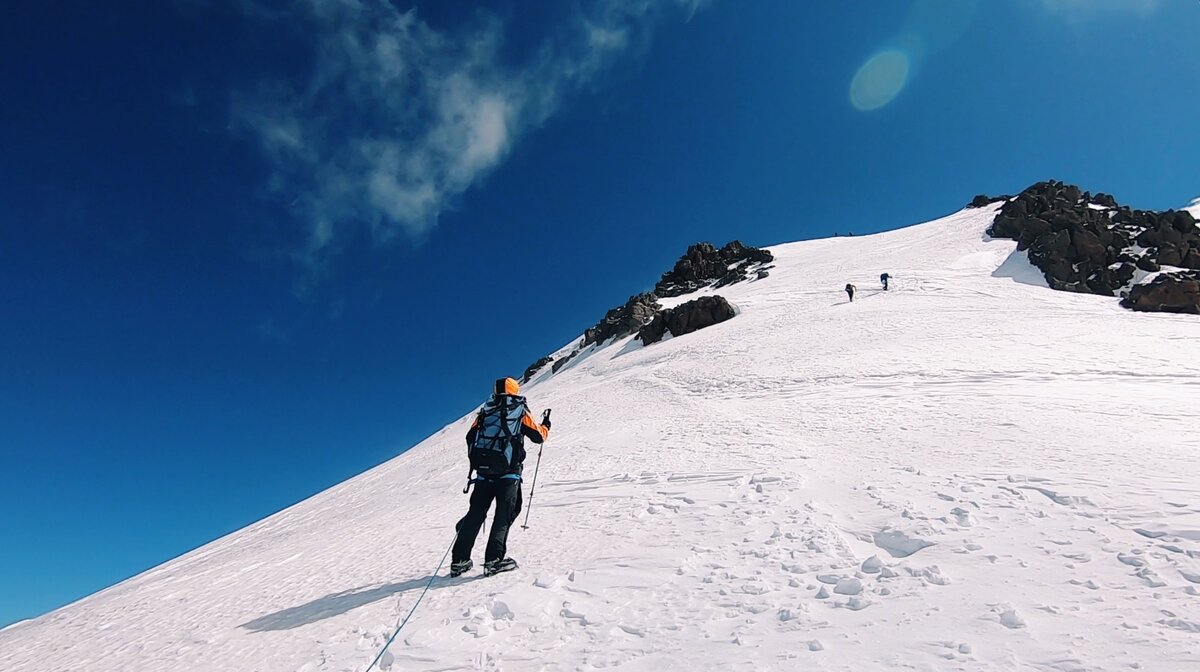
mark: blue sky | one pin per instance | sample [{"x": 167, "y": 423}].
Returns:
[{"x": 246, "y": 251}]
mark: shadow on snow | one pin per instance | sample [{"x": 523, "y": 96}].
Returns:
[{"x": 336, "y": 604}]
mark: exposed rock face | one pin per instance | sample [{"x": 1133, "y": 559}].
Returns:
[
  {"x": 1167, "y": 293},
  {"x": 983, "y": 200},
  {"x": 1091, "y": 244},
  {"x": 618, "y": 322},
  {"x": 703, "y": 265},
  {"x": 563, "y": 362},
  {"x": 535, "y": 367},
  {"x": 686, "y": 318},
  {"x": 623, "y": 320}
]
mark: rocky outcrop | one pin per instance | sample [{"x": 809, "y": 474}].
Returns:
[
  {"x": 983, "y": 200},
  {"x": 618, "y": 322},
  {"x": 535, "y": 367},
  {"x": 1167, "y": 293},
  {"x": 1092, "y": 244},
  {"x": 686, "y": 318},
  {"x": 560, "y": 363},
  {"x": 623, "y": 320},
  {"x": 704, "y": 264}
]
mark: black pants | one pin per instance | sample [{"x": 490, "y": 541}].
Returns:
[
  {"x": 885, "y": 284},
  {"x": 507, "y": 495}
]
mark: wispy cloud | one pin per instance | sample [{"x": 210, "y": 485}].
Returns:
[
  {"x": 1083, "y": 8},
  {"x": 396, "y": 119},
  {"x": 270, "y": 331}
]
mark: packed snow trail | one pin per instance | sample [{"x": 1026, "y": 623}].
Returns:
[{"x": 967, "y": 472}]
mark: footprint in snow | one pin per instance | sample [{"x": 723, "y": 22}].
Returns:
[
  {"x": 1131, "y": 559},
  {"x": 631, "y": 630},
  {"x": 571, "y": 615},
  {"x": 1010, "y": 619},
  {"x": 963, "y": 517},
  {"x": 848, "y": 587},
  {"x": 856, "y": 603},
  {"x": 898, "y": 544}
]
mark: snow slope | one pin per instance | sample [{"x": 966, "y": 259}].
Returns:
[{"x": 969, "y": 472}]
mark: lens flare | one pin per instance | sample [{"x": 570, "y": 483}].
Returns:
[{"x": 879, "y": 80}]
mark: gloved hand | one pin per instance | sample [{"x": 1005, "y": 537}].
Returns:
[{"x": 546, "y": 419}]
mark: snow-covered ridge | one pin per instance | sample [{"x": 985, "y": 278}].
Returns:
[
  {"x": 703, "y": 266},
  {"x": 967, "y": 472}
]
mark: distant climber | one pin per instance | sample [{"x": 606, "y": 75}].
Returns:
[
  {"x": 884, "y": 279},
  {"x": 850, "y": 289},
  {"x": 496, "y": 447}
]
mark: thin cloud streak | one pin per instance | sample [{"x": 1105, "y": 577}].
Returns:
[
  {"x": 1082, "y": 8},
  {"x": 396, "y": 120}
]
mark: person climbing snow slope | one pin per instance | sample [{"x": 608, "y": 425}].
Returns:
[
  {"x": 884, "y": 279},
  {"x": 850, "y": 291},
  {"x": 496, "y": 447}
]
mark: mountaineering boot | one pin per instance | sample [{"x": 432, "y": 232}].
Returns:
[
  {"x": 496, "y": 566},
  {"x": 460, "y": 567}
]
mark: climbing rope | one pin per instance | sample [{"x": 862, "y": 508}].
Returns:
[{"x": 401, "y": 624}]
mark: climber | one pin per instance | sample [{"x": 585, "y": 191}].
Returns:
[
  {"x": 884, "y": 279},
  {"x": 496, "y": 448},
  {"x": 850, "y": 291}
]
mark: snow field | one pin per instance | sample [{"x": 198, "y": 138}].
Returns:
[{"x": 968, "y": 472}]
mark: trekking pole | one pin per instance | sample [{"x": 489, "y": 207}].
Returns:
[{"x": 532, "y": 488}]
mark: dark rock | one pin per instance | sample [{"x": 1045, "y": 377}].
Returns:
[
  {"x": 1066, "y": 220},
  {"x": 1149, "y": 238},
  {"x": 1006, "y": 226},
  {"x": 623, "y": 320},
  {"x": 701, "y": 266},
  {"x": 1184, "y": 222},
  {"x": 983, "y": 200},
  {"x": 1122, "y": 274},
  {"x": 1148, "y": 264},
  {"x": 653, "y": 332},
  {"x": 563, "y": 362},
  {"x": 1081, "y": 248},
  {"x": 1167, "y": 293},
  {"x": 1169, "y": 234},
  {"x": 686, "y": 318},
  {"x": 1169, "y": 255},
  {"x": 535, "y": 367},
  {"x": 1088, "y": 246},
  {"x": 1192, "y": 258},
  {"x": 1056, "y": 244},
  {"x": 704, "y": 265}
]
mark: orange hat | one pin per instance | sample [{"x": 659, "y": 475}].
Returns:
[{"x": 507, "y": 386}]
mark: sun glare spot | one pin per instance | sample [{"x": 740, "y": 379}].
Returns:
[{"x": 879, "y": 80}]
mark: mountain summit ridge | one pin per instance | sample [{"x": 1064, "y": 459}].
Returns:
[{"x": 967, "y": 471}]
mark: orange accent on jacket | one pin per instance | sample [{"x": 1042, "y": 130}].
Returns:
[{"x": 529, "y": 427}]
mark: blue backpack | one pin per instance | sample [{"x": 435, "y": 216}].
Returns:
[{"x": 499, "y": 447}]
